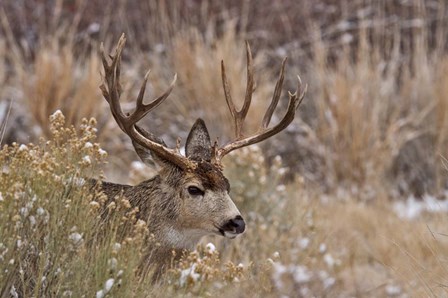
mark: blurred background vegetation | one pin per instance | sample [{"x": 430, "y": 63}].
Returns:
[
  {"x": 372, "y": 130},
  {"x": 374, "y": 119}
]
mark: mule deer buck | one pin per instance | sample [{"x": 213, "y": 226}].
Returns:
[{"x": 189, "y": 198}]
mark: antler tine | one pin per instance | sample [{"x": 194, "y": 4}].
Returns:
[
  {"x": 239, "y": 116},
  {"x": 227, "y": 94},
  {"x": 250, "y": 83},
  {"x": 142, "y": 109},
  {"x": 111, "y": 90},
  {"x": 111, "y": 75},
  {"x": 295, "y": 99},
  {"x": 276, "y": 97}
]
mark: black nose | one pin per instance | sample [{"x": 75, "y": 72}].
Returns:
[{"x": 236, "y": 225}]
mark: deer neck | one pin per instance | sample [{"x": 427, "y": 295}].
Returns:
[{"x": 181, "y": 238}]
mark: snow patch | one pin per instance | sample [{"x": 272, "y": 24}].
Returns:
[
  {"x": 210, "y": 247},
  {"x": 87, "y": 159},
  {"x": 301, "y": 274},
  {"x": 329, "y": 260},
  {"x": 326, "y": 279},
  {"x": 106, "y": 289},
  {"x": 22, "y": 148},
  {"x": 188, "y": 274},
  {"x": 102, "y": 152},
  {"x": 108, "y": 285},
  {"x": 93, "y": 28},
  {"x": 393, "y": 290},
  {"x": 116, "y": 247},
  {"x": 100, "y": 294},
  {"x": 322, "y": 248},
  {"x": 75, "y": 238},
  {"x": 304, "y": 242},
  {"x": 57, "y": 113},
  {"x": 413, "y": 208},
  {"x": 13, "y": 292}
]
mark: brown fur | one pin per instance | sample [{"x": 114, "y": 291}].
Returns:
[{"x": 164, "y": 204}]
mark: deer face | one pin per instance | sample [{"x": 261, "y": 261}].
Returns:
[
  {"x": 207, "y": 205},
  {"x": 203, "y": 204}
]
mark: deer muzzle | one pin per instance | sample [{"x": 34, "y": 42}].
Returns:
[{"x": 233, "y": 227}]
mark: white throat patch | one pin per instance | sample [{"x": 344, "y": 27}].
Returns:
[{"x": 185, "y": 239}]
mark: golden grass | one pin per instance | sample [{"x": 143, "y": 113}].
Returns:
[
  {"x": 370, "y": 106},
  {"x": 367, "y": 104},
  {"x": 382, "y": 249},
  {"x": 58, "y": 81},
  {"x": 53, "y": 74}
]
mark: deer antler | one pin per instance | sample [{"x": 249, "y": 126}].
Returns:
[
  {"x": 295, "y": 99},
  {"x": 111, "y": 90}
]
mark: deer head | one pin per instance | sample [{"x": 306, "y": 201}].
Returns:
[{"x": 193, "y": 194}]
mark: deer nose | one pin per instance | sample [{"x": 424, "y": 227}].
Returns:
[{"x": 236, "y": 225}]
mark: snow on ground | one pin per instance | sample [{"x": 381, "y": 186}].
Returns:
[{"x": 412, "y": 208}]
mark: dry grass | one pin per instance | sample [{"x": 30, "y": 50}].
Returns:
[
  {"x": 377, "y": 114},
  {"x": 363, "y": 119},
  {"x": 377, "y": 250},
  {"x": 58, "y": 81},
  {"x": 372, "y": 129}
]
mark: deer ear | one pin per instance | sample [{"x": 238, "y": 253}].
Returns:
[
  {"x": 147, "y": 156},
  {"x": 198, "y": 145}
]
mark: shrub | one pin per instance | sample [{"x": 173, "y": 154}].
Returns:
[{"x": 49, "y": 222}]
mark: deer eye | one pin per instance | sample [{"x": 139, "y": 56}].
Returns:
[{"x": 195, "y": 191}]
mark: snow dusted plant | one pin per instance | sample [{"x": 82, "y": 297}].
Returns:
[
  {"x": 203, "y": 266},
  {"x": 49, "y": 223}
]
